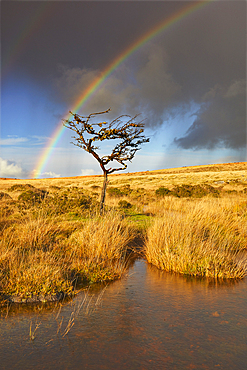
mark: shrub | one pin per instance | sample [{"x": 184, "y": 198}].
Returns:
[
  {"x": 19, "y": 187},
  {"x": 124, "y": 204},
  {"x": 189, "y": 191},
  {"x": 181, "y": 191},
  {"x": 32, "y": 197},
  {"x": 115, "y": 192},
  {"x": 161, "y": 192},
  {"x": 126, "y": 190},
  {"x": 195, "y": 191},
  {"x": 95, "y": 187},
  {"x": 66, "y": 202}
]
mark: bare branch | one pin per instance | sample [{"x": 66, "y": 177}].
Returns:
[{"x": 126, "y": 129}]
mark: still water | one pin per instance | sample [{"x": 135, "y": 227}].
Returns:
[{"x": 148, "y": 320}]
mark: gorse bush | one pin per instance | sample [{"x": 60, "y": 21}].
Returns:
[
  {"x": 21, "y": 187},
  {"x": 67, "y": 202},
  {"x": 161, "y": 192},
  {"x": 115, "y": 192},
  {"x": 119, "y": 192},
  {"x": 182, "y": 191},
  {"x": 196, "y": 191},
  {"x": 72, "y": 201},
  {"x": 31, "y": 197}
]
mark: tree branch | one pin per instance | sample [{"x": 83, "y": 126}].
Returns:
[{"x": 128, "y": 133}]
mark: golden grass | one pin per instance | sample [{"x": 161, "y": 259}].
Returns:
[
  {"x": 48, "y": 245},
  {"x": 201, "y": 238},
  {"x": 42, "y": 257},
  {"x": 233, "y": 175}
]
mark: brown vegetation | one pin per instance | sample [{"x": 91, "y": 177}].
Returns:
[
  {"x": 42, "y": 257},
  {"x": 206, "y": 238},
  {"x": 52, "y": 238}
]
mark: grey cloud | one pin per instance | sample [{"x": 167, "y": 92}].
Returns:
[
  {"x": 72, "y": 81},
  {"x": 158, "y": 92},
  {"x": 201, "y": 59},
  {"x": 236, "y": 88},
  {"x": 147, "y": 84},
  {"x": 221, "y": 121},
  {"x": 142, "y": 85}
]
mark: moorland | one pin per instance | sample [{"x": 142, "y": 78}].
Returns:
[{"x": 189, "y": 220}]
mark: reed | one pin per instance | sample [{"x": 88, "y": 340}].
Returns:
[{"x": 205, "y": 238}]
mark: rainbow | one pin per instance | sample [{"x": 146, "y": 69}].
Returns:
[{"x": 97, "y": 82}]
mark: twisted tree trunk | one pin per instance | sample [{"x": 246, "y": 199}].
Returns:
[{"x": 102, "y": 200}]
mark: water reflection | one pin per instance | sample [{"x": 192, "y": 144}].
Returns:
[{"x": 148, "y": 320}]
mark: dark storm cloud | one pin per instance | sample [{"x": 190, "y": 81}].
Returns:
[
  {"x": 146, "y": 87},
  {"x": 200, "y": 59},
  {"x": 74, "y": 33},
  {"x": 187, "y": 64},
  {"x": 221, "y": 121}
]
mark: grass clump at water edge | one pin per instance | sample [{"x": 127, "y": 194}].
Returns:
[
  {"x": 203, "y": 240},
  {"x": 42, "y": 257},
  {"x": 52, "y": 239}
]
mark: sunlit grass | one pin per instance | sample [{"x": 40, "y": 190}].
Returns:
[
  {"x": 52, "y": 238},
  {"x": 203, "y": 238},
  {"x": 41, "y": 256}
]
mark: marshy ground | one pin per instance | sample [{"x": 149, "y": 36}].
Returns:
[{"x": 190, "y": 220}]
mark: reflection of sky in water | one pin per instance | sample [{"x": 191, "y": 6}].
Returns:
[{"x": 148, "y": 320}]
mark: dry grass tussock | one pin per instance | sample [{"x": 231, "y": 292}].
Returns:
[
  {"x": 201, "y": 238},
  {"x": 41, "y": 256},
  {"x": 51, "y": 237}
]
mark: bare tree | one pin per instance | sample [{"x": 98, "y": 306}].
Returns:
[{"x": 125, "y": 129}]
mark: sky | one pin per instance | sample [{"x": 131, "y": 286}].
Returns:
[{"x": 188, "y": 82}]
